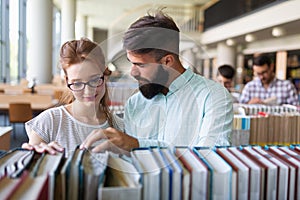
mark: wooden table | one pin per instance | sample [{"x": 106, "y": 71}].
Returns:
[
  {"x": 5, "y": 132},
  {"x": 38, "y": 102},
  {"x": 36, "y": 107}
]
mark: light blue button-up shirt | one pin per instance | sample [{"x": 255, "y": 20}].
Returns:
[{"x": 195, "y": 112}]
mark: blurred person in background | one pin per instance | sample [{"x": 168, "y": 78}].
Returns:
[
  {"x": 265, "y": 88},
  {"x": 225, "y": 76}
]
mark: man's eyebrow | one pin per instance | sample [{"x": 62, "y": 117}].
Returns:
[{"x": 135, "y": 63}]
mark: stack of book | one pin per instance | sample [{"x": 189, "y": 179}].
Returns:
[{"x": 244, "y": 172}]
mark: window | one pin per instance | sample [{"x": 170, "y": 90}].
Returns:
[
  {"x": 56, "y": 40},
  {"x": 13, "y": 41},
  {"x": 4, "y": 44}
]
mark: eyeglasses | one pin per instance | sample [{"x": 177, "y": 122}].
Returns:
[
  {"x": 95, "y": 82},
  {"x": 261, "y": 73}
]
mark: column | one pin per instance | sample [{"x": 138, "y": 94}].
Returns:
[
  {"x": 81, "y": 26},
  {"x": 39, "y": 33},
  {"x": 188, "y": 59},
  {"x": 68, "y": 16},
  {"x": 225, "y": 55}
]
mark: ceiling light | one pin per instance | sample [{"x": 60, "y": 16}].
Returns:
[
  {"x": 230, "y": 42},
  {"x": 277, "y": 31},
  {"x": 249, "y": 38}
]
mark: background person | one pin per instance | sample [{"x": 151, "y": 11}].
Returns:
[
  {"x": 266, "y": 87},
  {"x": 68, "y": 125},
  {"x": 174, "y": 106},
  {"x": 225, "y": 76}
]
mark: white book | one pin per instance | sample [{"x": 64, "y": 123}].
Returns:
[
  {"x": 283, "y": 173},
  {"x": 240, "y": 174},
  {"x": 92, "y": 170},
  {"x": 269, "y": 179},
  {"x": 294, "y": 186},
  {"x": 198, "y": 172},
  {"x": 290, "y": 152},
  {"x": 166, "y": 174},
  {"x": 178, "y": 175},
  {"x": 255, "y": 173},
  {"x": 297, "y": 148},
  {"x": 143, "y": 159},
  {"x": 220, "y": 173}
]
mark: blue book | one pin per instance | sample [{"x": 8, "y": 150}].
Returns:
[{"x": 220, "y": 173}]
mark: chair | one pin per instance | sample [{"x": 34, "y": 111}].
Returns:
[{"x": 19, "y": 113}]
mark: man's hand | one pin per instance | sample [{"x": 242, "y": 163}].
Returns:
[
  {"x": 256, "y": 101},
  {"x": 113, "y": 140}
]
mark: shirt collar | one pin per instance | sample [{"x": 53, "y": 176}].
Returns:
[
  {"x": 258, "y": 81},
  {"x": 180, "y": 81}
]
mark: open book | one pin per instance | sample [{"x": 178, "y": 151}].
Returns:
[
  {"x": 270, "y": 101},
  {"x": 123, "y": 180}
]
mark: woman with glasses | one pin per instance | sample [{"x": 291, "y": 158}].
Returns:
[{"x": 86, "y": 110}]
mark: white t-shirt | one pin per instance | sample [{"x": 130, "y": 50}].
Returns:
[{"x": 57, "y": 124}]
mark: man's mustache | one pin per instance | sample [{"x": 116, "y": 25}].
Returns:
[{"x": 139, "y": 78}]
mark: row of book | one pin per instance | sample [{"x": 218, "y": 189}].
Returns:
[
  {"x": 244, "y": 172},
  {"x": 254, "y": 109},
  {"x": 26, "y": 174},
  {"x": 265, "y": 129},
  {"x": 275, "y": 129}
]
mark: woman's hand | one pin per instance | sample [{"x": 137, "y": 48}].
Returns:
[{"x": 42, "y": 147}]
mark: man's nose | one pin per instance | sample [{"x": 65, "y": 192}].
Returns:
[{"x": 134, "y": 71}]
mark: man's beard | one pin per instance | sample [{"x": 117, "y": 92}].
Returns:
[{"x": 152, "y": 88}]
